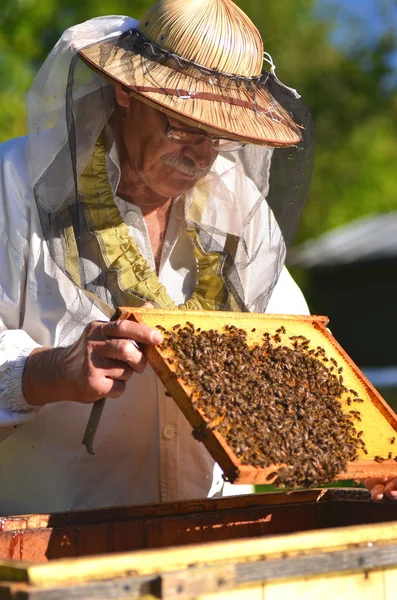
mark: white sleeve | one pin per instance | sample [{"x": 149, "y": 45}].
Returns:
[
  {"x": 287, "y": 298},
  {"x": 15, "y": 347},
  {"x": 15, "y": 344}
]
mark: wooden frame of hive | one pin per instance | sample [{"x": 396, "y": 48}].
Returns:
[{"x": 379, "y": 422}]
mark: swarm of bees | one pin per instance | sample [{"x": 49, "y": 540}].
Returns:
[{"x": 275, "y": 403}]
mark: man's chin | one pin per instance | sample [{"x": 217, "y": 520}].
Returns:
[{"x": 181, "y": 186}]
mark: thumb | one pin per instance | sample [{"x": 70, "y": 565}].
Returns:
[{"x": 147, "y": 305}]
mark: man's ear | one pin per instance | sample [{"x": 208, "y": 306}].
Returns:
[{"x": 122, "y": 97}]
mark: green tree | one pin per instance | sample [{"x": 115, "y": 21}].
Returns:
[
  {"x": 28, "y": 31},
  {"x": 350, "y": 91},
  {"x": 352, "y": 94}
]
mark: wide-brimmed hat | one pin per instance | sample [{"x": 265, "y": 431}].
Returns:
[{"x": 200, "y": 61}]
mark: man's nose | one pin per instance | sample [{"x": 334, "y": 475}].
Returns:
[{"x": 201, "y": 153}]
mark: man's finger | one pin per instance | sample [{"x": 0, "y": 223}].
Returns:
[
  {"x": 147, "y": 305},
  {"x": 117, "y": 370},
  {"x": 370, "y": 482},
  {"x": 133, "y": 331},
  {"x": 391, "y": 489},
  {"x": 377, "y": 492},
  {"x": 119, "y": 350}
]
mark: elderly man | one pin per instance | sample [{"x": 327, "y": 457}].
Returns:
[{"x": 152, "y": 175}]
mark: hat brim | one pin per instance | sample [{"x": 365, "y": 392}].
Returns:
[{"x": 251, "y": 116}]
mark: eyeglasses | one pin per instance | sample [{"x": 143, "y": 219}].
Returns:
[{"x": 184, "y": 136}]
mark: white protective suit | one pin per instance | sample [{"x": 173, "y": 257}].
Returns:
[{"x": 145, "y": 450}]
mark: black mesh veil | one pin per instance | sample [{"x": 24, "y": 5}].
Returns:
[{"x": 244, "y": 212}]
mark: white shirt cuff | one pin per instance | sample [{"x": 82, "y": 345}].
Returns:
[{"x": 15, "y": 347}]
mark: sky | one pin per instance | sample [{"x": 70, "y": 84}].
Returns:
[
  {"x": 362, "y": 20},
  {"x": 372, "y": 16}
]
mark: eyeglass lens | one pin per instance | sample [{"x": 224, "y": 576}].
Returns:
[{"x": 181, "y": 136}]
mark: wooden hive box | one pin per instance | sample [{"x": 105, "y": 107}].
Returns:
[
  {"x": 378, "y": 422},
  {"x": 308, "y": 544}
]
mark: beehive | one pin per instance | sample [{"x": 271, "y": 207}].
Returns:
[{"x": 376, "y": 420}]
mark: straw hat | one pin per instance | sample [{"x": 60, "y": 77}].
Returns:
[{"x": 201, "y": 62}]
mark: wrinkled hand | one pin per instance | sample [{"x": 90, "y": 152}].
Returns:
[
  {"x": 385, "y": 486},
  {"x": 98, "y": 365}
]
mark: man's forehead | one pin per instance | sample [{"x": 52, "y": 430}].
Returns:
[
  {"x": 172, "y": 119},
  {"x": 177, "y": 123}
]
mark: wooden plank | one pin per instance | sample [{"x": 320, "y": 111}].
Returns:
[
  {"x": 38, "y": 538},
  {"x": 125, "y": 513},
  {"x": 35, "y": 545},
  {"x": 142, "y": 511},
  {"x": 22, "y": 522},
  {"x": 201, "y": 581},
  {"x": 190, "y": 583},
  {"x": 72, "y": 571},
  {"x": 313, "y": 564},
  {"x": 119, "y": 530},
  {"x": 255, "y": 592},
  {"x": 92, "y": 540},
  {"x": 390, "y": 582},
  {"x": 194, "y": 528},
  {"x": 351, "y": 586},
  {"x": 187, "y": 584},
  {"x": 133, "y": 588},
  {"x": 354, "y": 586}
]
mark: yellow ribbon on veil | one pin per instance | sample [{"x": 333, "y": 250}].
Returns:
[{"x": 105, "y": 241}]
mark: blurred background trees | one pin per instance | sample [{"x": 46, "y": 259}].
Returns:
[
  {"x": 342, "y": 57},
  {"x": 342, "y": 63}
]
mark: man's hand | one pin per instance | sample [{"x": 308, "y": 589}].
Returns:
[
  {"x": 381, "y": 487},
  {"x": 98, "y": 365}
]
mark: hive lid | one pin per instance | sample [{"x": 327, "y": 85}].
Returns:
[{"x": 378, "y": 421}]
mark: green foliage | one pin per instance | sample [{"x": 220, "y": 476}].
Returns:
[
  {"x": 28, "y": 31},
  {"x": 343, "y": 483},
  {"x": 348, "y": 90},
  {"x": 354, "y": 111}
]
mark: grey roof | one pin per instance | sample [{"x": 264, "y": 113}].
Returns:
[{"x": 373, "y": 237}]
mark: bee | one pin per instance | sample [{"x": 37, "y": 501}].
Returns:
[{"x": 258, "y": 397}]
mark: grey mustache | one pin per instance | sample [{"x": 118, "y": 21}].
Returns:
[{"x": 185, "y": 165}]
